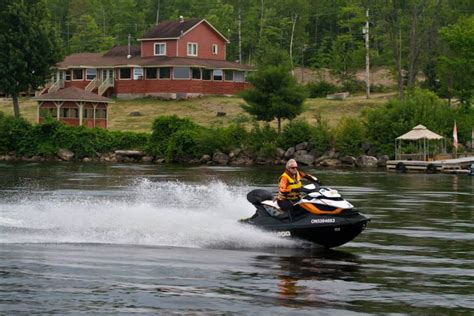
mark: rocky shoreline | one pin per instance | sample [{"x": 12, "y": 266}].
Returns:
[{"x": 237, "y": 157}]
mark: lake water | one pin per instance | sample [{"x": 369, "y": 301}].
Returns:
[{"x": 154, "y": 239}]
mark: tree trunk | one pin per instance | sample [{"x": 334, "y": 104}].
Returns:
[
  {"x": 16, "y": 105},
  {"x": 415, "y": 43},
  {"x": 395, "y": 34},
  {"x": 240, "y": 33},
  {"x": 157, "y": 12},
  {"x": 262, "y": 17},
  {"x": 279, "y": 124},
  {"x": 294, "y": 18}
]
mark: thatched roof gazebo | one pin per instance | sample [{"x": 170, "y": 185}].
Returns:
[{"x": 422, "y": 136}]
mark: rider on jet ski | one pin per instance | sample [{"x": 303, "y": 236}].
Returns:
[{"x": 289, "y": 187}]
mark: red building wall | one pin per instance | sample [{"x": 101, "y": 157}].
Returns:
[
  {"x": 205, "y": 37},
  {"x": 201, "y": 34},
  {"x": 177, "y": 86},
  {"x": 148, "y": 47}
]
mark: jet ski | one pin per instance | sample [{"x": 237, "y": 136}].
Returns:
[{"x": 322, "y": 216}]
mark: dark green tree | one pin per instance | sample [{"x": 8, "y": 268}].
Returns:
[
  {"x": 29, "y": 46},
  {"x": 89, "y": 37},
  {"x": 275, "y": 93},
  {"x": 456, "y": 68}
]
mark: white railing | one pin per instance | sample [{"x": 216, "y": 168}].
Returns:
[
  {"x": 93, "y": 84},
  {"x": 44, "y": 89},
  {"x": 59, "y": 84},
  {"x": 108, "y": 83}
]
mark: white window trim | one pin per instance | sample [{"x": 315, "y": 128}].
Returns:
[
  {"x": 200, "y": 73},
  {"x": 216, "y": 49},
  {"x": 72, "y": 75},
  {"x": 171, "y": 74},
  {"x": 212, "y": 75},
  {"x": 138, "y": 77},
  {"x": 155, "y": 51},
  {"x": 145, "y": 73},
  {"x": 131, "y": 74},
  {"x": 190, "y": 75},
  {"x": 224, "y": 72},
  {"x": 190, "y": 44},
  {"x": 96, "y": 73}
]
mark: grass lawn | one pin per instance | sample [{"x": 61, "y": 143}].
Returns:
[{"x": 204, "y": 110}]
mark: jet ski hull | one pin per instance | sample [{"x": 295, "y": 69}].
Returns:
[{"x": 328, "y": 231}]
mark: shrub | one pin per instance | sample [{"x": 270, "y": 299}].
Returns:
[
  {"x": 223, "y": 138},
  {"x": 163, "y": 129},
  {"x": 321, "y": 137},
  {"x": 260, "y": 137},
  {"x": 12, "y": 131},
  {"x": 295, "y": 132},
  {"x": 185, "y": 144},
  {"x": 349, "y": 136},
  {"x": 353, "y": 86},
  {"x": 320, "y": 89},
  {"x": 47, "y": 138}
]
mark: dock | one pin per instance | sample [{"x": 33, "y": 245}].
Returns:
[{"x": 457, "y": 165}]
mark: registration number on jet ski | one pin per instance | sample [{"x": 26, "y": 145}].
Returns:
[
  {"x": 283, "y": 233},
  {"x": 323, "y": 220}
]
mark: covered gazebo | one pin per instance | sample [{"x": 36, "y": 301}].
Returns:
[
  {"x": 422, "y": 138},
  {"x": 74, "y": 106}
]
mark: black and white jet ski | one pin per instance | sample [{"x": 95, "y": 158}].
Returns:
[{"x": 322, "y": 216}]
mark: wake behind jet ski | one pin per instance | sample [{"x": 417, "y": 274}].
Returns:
[{"x": 321, "y": 216}]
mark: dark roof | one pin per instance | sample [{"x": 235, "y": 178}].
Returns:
[
  {"x": 72, "y": 94},
  {"x": 171, "y": 29},
  {"x": 97, "y": 60},
  {"x": 122, "y": 50}
]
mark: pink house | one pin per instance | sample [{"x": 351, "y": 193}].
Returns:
[{"x": 176, "y": 59}]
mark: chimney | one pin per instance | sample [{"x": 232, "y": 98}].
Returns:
[{"x": 181, "y": 19}]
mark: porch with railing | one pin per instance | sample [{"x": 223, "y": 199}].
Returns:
[
  {"x": 106, "y": 84},
  {"x": 94, "y": 84}
]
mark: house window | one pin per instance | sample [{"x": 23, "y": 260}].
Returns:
[
  {"x": 151, "y": 73},
  {"x": 160, "y": 49},
  {"x": 217, "y": 74},
  {"x": 88, "y": 113},
  {"x": 91, "y": 74},
  {"x": 77, "y": 74},
  {"x": 180, "y": 73},
  {"x": 206, "y": 74},
  {"x": 100, "y": 113},
  {"x": 165, "y": 72},
  {"x": 67, "y": 75},
  {"x": 214, "y": 49},
  {"x": 196, "y": 72},
  {"x": 125, "y": 73},
  {"x": 229, "y": 75},
  {"x": 48, "y": 112},
  {"x": 192, "y": 49},
  {"x": 238, "y": 76},
  {"x": 69, "y": 113},
  {"x": 137, "y": 73}
]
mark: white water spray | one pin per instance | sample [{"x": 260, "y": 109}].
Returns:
[{"x": 145, "y": 213}]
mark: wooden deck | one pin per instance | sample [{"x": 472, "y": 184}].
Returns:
[{"x": 458, "y": 165}]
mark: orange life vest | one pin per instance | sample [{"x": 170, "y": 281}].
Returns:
[{"x": 293, "y": 185}]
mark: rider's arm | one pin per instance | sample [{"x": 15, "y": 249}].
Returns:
[{"x": 283, "y": 186}]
